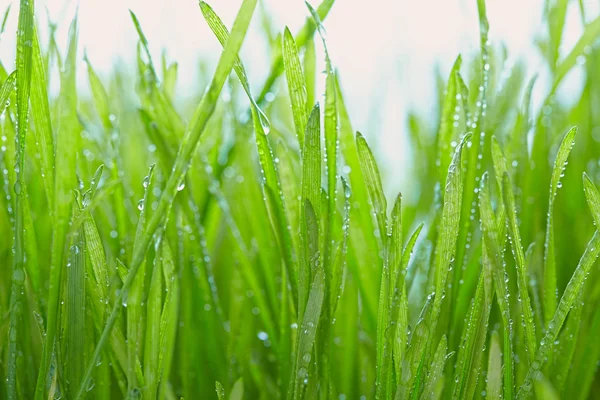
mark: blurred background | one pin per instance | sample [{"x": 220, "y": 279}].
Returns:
[{"x": 388, "y": 53}]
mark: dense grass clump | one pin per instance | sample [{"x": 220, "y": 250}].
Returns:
[{"x": 239, "y": 252}]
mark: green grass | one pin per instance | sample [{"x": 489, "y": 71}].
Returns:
[{"x": 249, "y": 249}]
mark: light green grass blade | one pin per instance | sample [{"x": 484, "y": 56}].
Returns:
[
  {"x": 152, "y": 348},
  {"x": 370, "y": 171},
  {"x": 296, "y": 85},
  {"x": 494, "y": 372},
  {"x": 40, "y": 110},
  {"x": 308, "y": 331},
  {"x": 473, "y": 338},
  {"x": 521, "y": 266},
  {"x": 493, "y": 253},
  {"x": 6, "y": 90},
  {"x": 436, "y": 371},
  {"x": 23, "y": 88},
  {"x": 449, "y": 227},
  {"x": 271, "y": 180},
  {"x": 395, "y": 250},
  {"x": 564, "y": 306},
  {"x": 593, "y": 198},
  {"x": 304, "y": 36},
  {"x": 201, "y": 116},
  {"x": 545, "y": 390},
  {"x": 74, "y": 336},
  {"x": 550, "y": 288},
  {"x": 449, "y": 122},
  {"x": 339, "y": 262}
]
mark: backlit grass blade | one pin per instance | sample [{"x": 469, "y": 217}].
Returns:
[
  {"x": 473, "y": 339},
  {"x": 182, "y": 163},
  {"x": 432, "y": 385},
  {"x": 449, "y": 227},
  {"x": 494, "y": 371},
  {"x": 373, "y": 184},
  {"x": 74, "y": 336},
  {"x": 168, "y": 319},
  {"x": 593, "y": 198},
  {"x": 296, "y": 84},
  {"x": 152, "y": 330},
  {"x": 564, "y": 306},
  {"x": 40, "y": 110},
  {"x": 331, "y": 139},
  {"x": 23, "y": 86},
  {"x": 521, "y": 266},
  {"x": 449, "y": 122},
  {"x": 550, "y": 288},
  {"x": 339, "y": 262},
  {"x": 271, "y": 179},
  {"x": 494, "y": 255},
  {"x": 395, "y": 250},
  {"x": 416, "y": 351},
  {"x": 6, "y": 90},
  {"x": 308, "y": 330},
  {"x": 311, "y": 191},
  {"x": 305, "y": 35}
]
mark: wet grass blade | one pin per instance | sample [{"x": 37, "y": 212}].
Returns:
[
  {"x": 494, "y": 371},
  {"x": 296, "y": 85},
  {"x": 182, "y": 162},
  {"x": 23, "y": 89},
  {"x": 566, "y": 302},
  {"x": 436, "y": 371},
  {"x": 517, "y": 250},
  {"x": 550, "y": 288},
  {"x": 373, "y": 184}
]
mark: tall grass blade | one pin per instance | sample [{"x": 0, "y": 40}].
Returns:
[
  {"x": 182, "y": 162},
  {"x": 550, "y": 288}
]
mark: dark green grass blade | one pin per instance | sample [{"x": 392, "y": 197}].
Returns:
[
  {"x": 550, "y": 288},
  {"x": 182, "y": 163}
]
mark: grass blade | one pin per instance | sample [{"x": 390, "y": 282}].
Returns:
[
  {"x": 189, "y": 144},
  {"x": 296, "y": 85},
  {"x": 550, "y": 289}
]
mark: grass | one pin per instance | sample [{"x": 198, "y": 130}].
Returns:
[{"x": 249, "y": 249}]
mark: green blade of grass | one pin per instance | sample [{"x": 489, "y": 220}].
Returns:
[
  {"x": 493, "y": 254},
  {"x": 473, "y": 338},
  {"x": 436, "y": 371},
  {"x": 152, "y": 330},
  {"x": 449, "y": 121},
  {"x": 494, "y": 372},
  {"x": 6, "y": 90},
  {"x": 518, "y": 254},
  {"x": 550, "y": 288},
  {"x": 23, "y": 89},
  {"x": 449, "y": 227},
  {"x": 74, "y": 324},
  {"x": 271, "y": 178},
  {"x": 40, "y": 110},
  {"x": 304, "y": 36},
  {"x": 311, "y": 192},
  {"x": 566, "y": 302},
  {"x": 296, "y": 85},
  {"x": 373, "y": 184},
  {"x": 182, "y": 162}
]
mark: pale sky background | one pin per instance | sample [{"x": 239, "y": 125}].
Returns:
[{"x": 385, "y": 50}]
